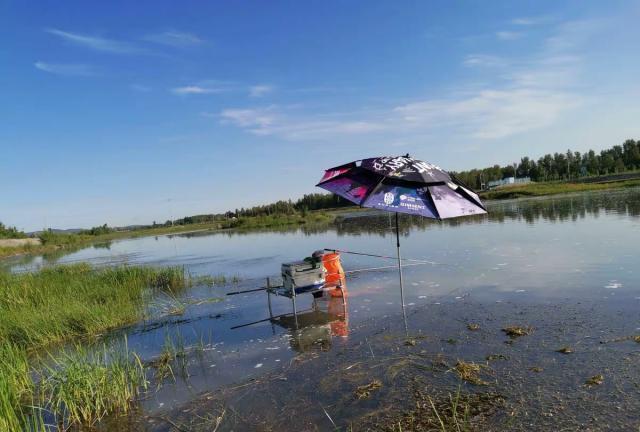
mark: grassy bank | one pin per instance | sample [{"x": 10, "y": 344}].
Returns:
[
  {"x": 553, "y": 188},
  {"x": 61, "y": 304}
]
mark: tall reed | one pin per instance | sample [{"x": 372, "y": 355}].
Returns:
[
  {"x": 61, "y": 303},
  {"x": 83, "y": 386}
]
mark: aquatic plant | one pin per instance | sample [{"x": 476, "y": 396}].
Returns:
[
  {"x": 63, "y": 302},
  {"x": 517, "y": 331},
  {"x": 469, "y": 372},
  {"x": 82, "y": 386},
  {"x": 16, "y": 391},
  {"x": 173, "y": 351},
  {"x": 364, "y": 391},
  {"x": 594, "y": 380}
]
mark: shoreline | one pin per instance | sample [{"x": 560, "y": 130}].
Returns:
[{"x": 531, "y": 190}]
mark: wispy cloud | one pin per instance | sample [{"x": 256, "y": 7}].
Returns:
[
  {"x": 523, "y": 21},
  {"x": 508, "y": 35},
  {"x": 524, "y": 93},
  {"x": 175, "y": 39},
  {"x": 490, "y": 114},
  {"x": 95, "y": 43},
  {"x": 67, "y": 69},
  {"x": 196, "y": 90},
  {"x": 483, "y": 60},
  {"x": 274, "y": 120},
  {"x": 257, "y": 119},
  {"x": 532, "y": 20},
  {"x": 260, "y": 90},
  {"x": 203, "y": 87},
  {"x": 573, "y": 34}
]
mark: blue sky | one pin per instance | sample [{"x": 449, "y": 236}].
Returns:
[{"x": 129, "y": 112}]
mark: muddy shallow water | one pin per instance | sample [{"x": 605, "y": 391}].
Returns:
[{"x": 564, "y": 269}]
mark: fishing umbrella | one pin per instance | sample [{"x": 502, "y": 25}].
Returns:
[{"x": 402, "y": 184}]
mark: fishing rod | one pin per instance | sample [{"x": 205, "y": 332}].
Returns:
[
  {"x": 395, "y": 258},
  {"x": 247, "y": 291}
]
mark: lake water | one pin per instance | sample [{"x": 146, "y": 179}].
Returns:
[{"x": 544, "y": 257}]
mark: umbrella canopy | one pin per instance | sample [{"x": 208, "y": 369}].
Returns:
[{"x": 402, "y": 184}]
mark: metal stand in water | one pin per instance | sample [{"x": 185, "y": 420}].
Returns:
[{"x": 404, "y": 312}]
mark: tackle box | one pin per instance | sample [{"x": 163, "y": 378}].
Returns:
[{"x": 302, "y": 274}]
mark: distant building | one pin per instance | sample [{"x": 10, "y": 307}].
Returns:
[{"x": 508, "y": 181}]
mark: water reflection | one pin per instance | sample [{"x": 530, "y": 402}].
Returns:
[
  {"x": 532, "y": 211},
  {"x": 314, "y": 329}
]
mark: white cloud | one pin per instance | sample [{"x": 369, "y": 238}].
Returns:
[
  {"x": 526, "y": 93},
  {"x": 205, "y": 87},
  {"x": 175, "y": 39},
  {"x": 195, "y": 90},
  {"x": 256, "y": 119},
  {"x": 274, "y": 120},
  {"x": 260, "y": 90},
  {"x": 68, "y": 69},
  {"x": 95, "y": 43},
  {"x": 532, "y": 21},
  {"x": 489, "y": 114},
  {"x": 508, "y": 35}
]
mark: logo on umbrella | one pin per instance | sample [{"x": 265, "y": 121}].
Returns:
[{"x": 388, "y": 198}]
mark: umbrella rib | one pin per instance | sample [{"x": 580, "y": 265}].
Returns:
[
  {"x": 433, "y": 203},
  {"x": 372, "y": 190}
]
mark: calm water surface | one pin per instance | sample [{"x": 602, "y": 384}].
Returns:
[{"x": 577, "y": 248}]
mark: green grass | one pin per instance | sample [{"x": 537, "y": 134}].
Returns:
[
  {"x": 64, "y": 303},
  {"x": 552, "y": 188},
  {"x": 16, "y": 388},
  {"x": 81, "y": 386},
  {"x": 275, "y": 221}
]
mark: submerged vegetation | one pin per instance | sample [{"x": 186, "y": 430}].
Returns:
[{"x": 81, "y": 387}]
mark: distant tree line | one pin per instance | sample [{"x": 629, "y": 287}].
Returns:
[
  {"x": 314, "y": 201},
  {"x": 99, "y": 230},
  {"x": 561, "y": 166},
  {"x": 7, "y": 232}
]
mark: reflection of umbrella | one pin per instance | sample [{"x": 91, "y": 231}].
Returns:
[{"x": 402, "y": 185}]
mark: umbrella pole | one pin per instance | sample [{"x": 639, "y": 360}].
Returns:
[{"x": 404, "y": 314}]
